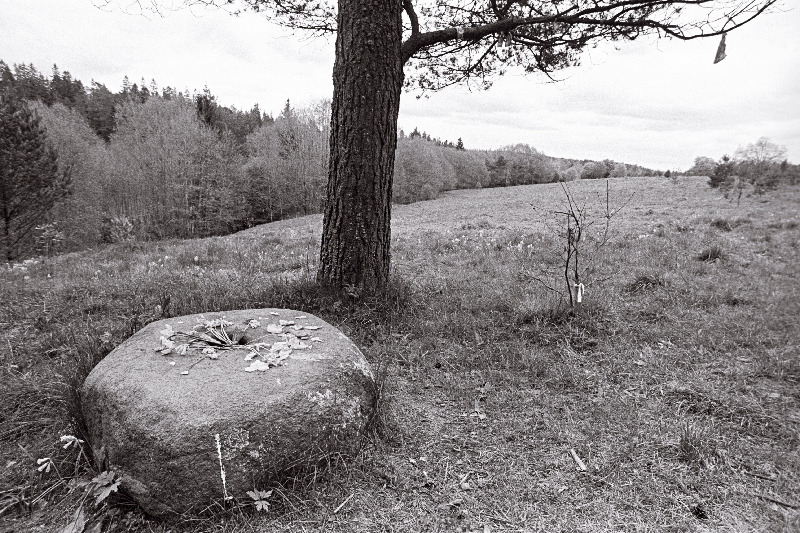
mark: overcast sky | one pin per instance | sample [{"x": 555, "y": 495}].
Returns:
[{"x": 654, "y": 103}]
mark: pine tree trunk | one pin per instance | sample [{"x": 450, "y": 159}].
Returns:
[{"x": 367, "y": 80}]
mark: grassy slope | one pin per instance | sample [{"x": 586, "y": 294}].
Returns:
[{"x": 676, "y": 383}]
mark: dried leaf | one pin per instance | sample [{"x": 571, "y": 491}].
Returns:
[
  {"x": 104, "y": 485},
  {"x": 286, "y": 322},
  {"x": 257, "y": 365},
  {"x": 259, "y": 494},
  {"x": 312, "y": 328},
  {"x": 278, "y": 346},
  {"x": 254, "y": 324},
  {"x": 77, "y": 524},
  {"x": 70, "y": 440},
  {"x": 166, "y": 344},
  {"x": 274, "y": 328}
]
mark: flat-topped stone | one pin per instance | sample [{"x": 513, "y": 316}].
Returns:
[{"x": 193, "y": 409}]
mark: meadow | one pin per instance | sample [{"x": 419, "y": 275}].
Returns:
[{"x": 668, "y": 400}]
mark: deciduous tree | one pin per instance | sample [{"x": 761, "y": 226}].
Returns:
[{"x": 703, "y": 166}]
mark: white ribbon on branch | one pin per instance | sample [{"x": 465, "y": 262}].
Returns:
[{"x": 581, "y": 289}]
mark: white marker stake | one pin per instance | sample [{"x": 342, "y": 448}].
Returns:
[{"x": 222, "y": 469}]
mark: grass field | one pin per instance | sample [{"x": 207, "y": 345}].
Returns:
[{"x": 676, "y": 382}]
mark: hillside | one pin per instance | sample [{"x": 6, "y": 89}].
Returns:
[{"x": 675, "y": 382}]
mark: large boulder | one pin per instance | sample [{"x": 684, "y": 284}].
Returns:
[{"x": 195, "y": 409}]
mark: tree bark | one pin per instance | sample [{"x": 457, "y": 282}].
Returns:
[{"x": 367, "y": 82}]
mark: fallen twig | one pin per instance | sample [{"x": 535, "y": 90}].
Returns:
[
  {"x": 581, "y": 464},
  {"x": 776, "y": 501},
  {"x": 343, "y": 503}
]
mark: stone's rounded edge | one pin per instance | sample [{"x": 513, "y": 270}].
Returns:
[
  {"x": 361, "y": 364},
  {"x": 322, "y": 418}
]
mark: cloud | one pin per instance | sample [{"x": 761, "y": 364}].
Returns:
[{"x": 658, "y": 103}]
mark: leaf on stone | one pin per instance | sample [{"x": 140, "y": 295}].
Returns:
[
  {"x": 167, "y": 331},
  {"x": 292, "y": 341},
  {"x": 312, "y": 328},
  {"x": 301, "y": 317},
  {"x": 286, "y": 322},
  {"x": 257, "y": 366},
  {"x": 279, "y": 346},
  {"x": 185, "y": 373},
  {"x": 166, "y": 345},
  {"x": 180, "y": 349},
  {"x": 258, "y": 345},
  {"x": 254, "y": 324},
  {"x": 273, "y": 313},
  {"x": 274, "y": 328}
]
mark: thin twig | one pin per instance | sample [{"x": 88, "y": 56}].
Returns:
[
  {"x": 581, "y": 464},
  {"x": 343, "y": 503},
  {"x": 776, "y": 501}
]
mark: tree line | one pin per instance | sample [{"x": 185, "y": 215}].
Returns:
[
  {"x": 757, "y": 167},
  {"x": 144, "y": 163}
]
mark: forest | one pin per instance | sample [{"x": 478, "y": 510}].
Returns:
[{"x": 148, "y": 163}]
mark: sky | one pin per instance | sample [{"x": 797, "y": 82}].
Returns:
[{"x": 652, "y": 102}]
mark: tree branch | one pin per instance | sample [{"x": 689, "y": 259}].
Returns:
[
  {"x": 412, "y": 16},
  {"x": 593, "y": 17}
]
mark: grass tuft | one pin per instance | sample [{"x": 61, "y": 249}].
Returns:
[
  {"x": 645, "y": 283},
  {"x": 711, "y": 254},
  {"x": 695, "y": 447}
]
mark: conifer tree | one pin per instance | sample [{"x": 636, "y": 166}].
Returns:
[{"x": 30, "y": 180}]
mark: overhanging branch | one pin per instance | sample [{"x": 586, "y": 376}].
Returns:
[{"x": 629, "y": 17}]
